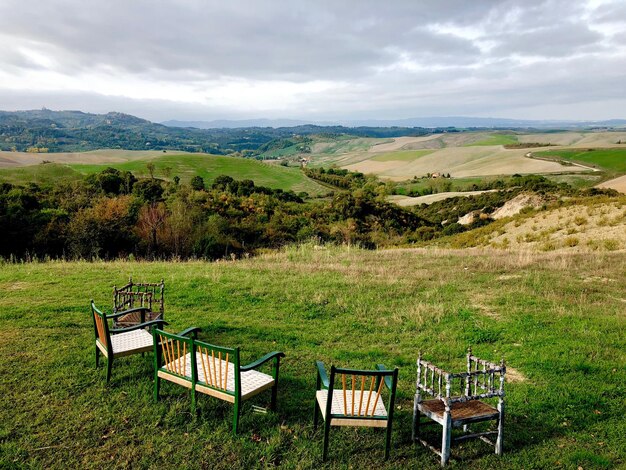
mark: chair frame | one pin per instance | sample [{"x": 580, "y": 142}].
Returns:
[
  {"x": 379, "y": 376},
  {"x": 163, "y": 340},
  {"x": 103, "y": 335},
  {"x": 146, "y": 294},
  {"x": 482, "y": 380}
]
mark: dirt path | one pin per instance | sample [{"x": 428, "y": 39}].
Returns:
[{"x": 407, "y": 201}]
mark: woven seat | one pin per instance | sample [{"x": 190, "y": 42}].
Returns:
[
  {"x": 252, "y": 381},
  {"x": 375, "y": 408},
  {"x": 135, "y": 341},
  {"x": 462, "y": 412}
]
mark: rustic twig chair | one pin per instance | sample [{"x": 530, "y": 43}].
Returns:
[
  {"x": 358, "y": 402},
  {"x": 212, "y": 370},
  {"x": 145, "y": 299},
  {"x": 113, "y": 343},
  {"x": 458, "y": 401}
]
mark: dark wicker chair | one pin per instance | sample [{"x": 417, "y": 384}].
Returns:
[{"x": 143, "y": 298}]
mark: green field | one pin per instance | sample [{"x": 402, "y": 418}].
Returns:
[
  {"x": 495, "y": 139},
  {"x": 402, "y": 155},
  {"x": 557, "y": 319},
  {"x": 40, "y": 174},
  {"x": 607, "y": 159},
  {"x": 186, "y": 166}
]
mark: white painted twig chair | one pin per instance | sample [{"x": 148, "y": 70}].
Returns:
[
  {"x": 458, "y": 401},
  {"x": 114, "y": 343},
  {"x": 211, "y": 370},
  {"x": 358, "y": 402}
]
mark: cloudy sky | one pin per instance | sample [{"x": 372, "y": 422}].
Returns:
[{"x": 318, "y": 60}]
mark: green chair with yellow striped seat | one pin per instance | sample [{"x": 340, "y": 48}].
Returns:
[{"x": 211, "y": 370}]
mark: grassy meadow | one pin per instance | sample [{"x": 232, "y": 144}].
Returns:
[
  {"x": 186, "y": 166},
  {"x": 613, "y": 160},
  {"x": 557, "y": 319}
]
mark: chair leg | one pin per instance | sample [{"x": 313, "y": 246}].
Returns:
[
  {"x": 236, "y": 417},
  {"x": 326, "y": 436},
  {"x": 416, "y": 421},
  {"x": 499, "y": 440},
  {"x": 157, "y": 386},
  {"x": 388, "y": 440},
  {"x": 274, "y": 396},
  {"x": 109, "y": 366},
  {"x": 97, "y": 357},
  {"x": 446, "y": 438}
]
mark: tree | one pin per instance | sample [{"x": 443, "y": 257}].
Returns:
[
  {"x": 197, "y": 183},
  {"x": 150, "y": 166}
]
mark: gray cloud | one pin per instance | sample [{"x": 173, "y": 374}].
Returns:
[{"x": 392, "y": 59}]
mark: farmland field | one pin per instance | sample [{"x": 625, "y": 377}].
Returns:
[
  {"x": 608, "y": 159},
  {"x": 556, "y": 318},
  {"x": 184, "y": 165}
]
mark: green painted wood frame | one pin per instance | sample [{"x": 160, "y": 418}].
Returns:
[
  {"x": 196, "y": 385},
  {"x": 103, "y": 335},
  {"x": 390, "y": 378}
]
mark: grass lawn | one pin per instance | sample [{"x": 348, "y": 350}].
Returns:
[
  {"x": 402, "y": 155},
  {"x": 495, "y": 139},
  {"x": 557, "y": 319},
  {"x": 608, "y": 159}
]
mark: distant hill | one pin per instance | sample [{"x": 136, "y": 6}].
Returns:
[
  {"x": 423, "y": 122},
  {"x": 45, "y": 130}
]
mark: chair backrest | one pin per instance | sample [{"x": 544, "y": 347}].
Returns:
[
  {"x": 100, "y": 326},
  {"x": 139, "y": 294},
  {"x": 360, "y": 390},
  {"x": 208, "y": 365},
  {"x": 483, "y": 379},
  {"x": 215, "y": 364},
  {"x": 171, "y": 350}
]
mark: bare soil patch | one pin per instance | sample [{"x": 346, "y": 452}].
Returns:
[{"x": 618, "y": 184}]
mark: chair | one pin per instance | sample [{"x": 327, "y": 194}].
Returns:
[
  {"x": 145, "y": 300},
  {"x": 358, "y": 402},
  {"x": 119, "y": 342},
  {"x": 211, "y": 370},
  {"x": 459, "y": 401}
]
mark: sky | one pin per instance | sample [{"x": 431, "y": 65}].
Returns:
[{"x": 316, "y": 60}]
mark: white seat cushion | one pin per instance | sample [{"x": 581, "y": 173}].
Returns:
[
  {"x": 337, "y": 407},
  {"x": 251, "y": 380},
  {"x": 131, "y": 341}
]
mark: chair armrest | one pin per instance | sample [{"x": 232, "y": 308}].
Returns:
[
  {"x": 136, "y": 309},
  {"x": 388, "y": 381},
  {"x": 263, "y": 360},
  {"x": 191, "y": 331},
  {"x": 140, "y": 326},
  {"x": 321, "y": 373}
]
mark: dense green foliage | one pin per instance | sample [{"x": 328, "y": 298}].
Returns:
[
  {"x": 112, "y": 214},
  {"x": 337, "y": 177},
  {"x": 557, "y": 320}
]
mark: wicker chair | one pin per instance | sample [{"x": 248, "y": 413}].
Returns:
[
  {"x": 358, "y": 402},
  {"x": 144, "y": 299},
  {"x": 211, "y": 370},
  {"x": 119, "y": 342},
  {"x": 458, "y": 401}
]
